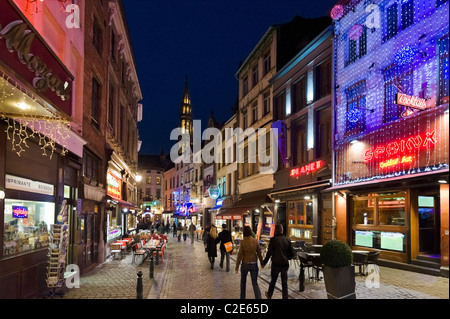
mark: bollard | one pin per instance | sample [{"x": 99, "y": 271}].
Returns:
[
  {"x": 302, "y": 278},
  {"x": 151, "y": 267},
  {"x": 139, "y": 287}
]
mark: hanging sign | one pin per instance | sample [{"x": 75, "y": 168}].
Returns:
[
  {"x": 411, "y": 101},
  {"x": 214, "y": 191},
  {"x": 114, "y": 185}
]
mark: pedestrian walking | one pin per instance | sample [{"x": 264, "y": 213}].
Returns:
[
  {"x": 185, "y": 232},
  {"x": 192, "y": 230},
  {"x": 226, "y": 246},
  {"x": 174, "y": 229},
  {"x": 167, "y": 227},
  {"x": 281, "y": 251},
  {"x": 179, "y": 230},
  {"x": 249, "y": 253},
  {"x": 211, "y": 245},
  {"x": 161, "y": 229}
]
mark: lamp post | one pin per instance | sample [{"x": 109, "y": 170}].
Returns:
[{"x": 2, "y": 194}]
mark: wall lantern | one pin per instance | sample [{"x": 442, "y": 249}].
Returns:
[{"x": 2, "y": 194}]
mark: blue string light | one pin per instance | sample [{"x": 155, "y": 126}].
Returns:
[{"x": 405, "y": 55}]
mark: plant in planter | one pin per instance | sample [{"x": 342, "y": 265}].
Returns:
[{"x": 338, "y": 271}]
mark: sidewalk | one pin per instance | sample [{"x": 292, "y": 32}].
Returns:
[{"x": 186, "y": 274}]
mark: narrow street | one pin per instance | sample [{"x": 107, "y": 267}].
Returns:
[{"x": 185, "y": 274}]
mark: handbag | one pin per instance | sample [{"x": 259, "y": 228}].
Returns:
[{"x": 228, "y": 246}]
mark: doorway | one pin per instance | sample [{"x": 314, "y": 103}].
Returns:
[{"x": 429, "y": 223}]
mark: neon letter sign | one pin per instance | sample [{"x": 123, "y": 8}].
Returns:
[
  {"x": 401, "y": 146},
  {"x": 311, "y": 167}
]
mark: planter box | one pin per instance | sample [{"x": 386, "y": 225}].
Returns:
[{"x": 340, "y": 282}]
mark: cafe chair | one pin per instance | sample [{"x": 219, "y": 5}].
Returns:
[
  {"x": 161, "y": 252},
  {"x": 305, "y": 262},
  {"x": 138, "y": 252},
  {"x": 116, "y": 249},
  {"x": 317, "y": 265},
  {"x": 360, "y": 260}
]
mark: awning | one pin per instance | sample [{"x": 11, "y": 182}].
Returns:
[
  {"x": 233, "y": 213},
  {"x": 254, "y": 199},
  {"x": 167, "y": 212},
  {"x": 303, "y": 187},
  {"x": 120, "y": 202}
]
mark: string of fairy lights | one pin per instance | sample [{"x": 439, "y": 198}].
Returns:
[
  {"x": 27, "y": 119},
  {"x": 383, "y": 48}
]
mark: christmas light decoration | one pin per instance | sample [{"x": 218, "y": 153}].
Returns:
[
  {"x": 405, "y": 55},
  {"x": 391, "y": 58}
]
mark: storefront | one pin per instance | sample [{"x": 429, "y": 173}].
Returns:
[
  {"x": 39, "y": 154},
  {"x": 391, "y": 190},
  {"x": 302, "y": 204}
]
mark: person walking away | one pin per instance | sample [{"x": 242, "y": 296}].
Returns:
[
  {"x": 179, "y": 230},
  {"x": 211, "y": 245},
  {"x": 249, "y": 253},
  {"x": 174, "y": 229},
  {"x": 185, "y": 232},
  {"x": 225, "y": 237},
  {"x": 281, "y": 251},
  {"x": 205, "y": 236},
  {"x": 161, "y": 229},
  {"x": 192, "y": 230}
]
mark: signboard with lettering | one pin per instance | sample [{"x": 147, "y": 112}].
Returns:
[
  {"x": 114, "y": 185},
  {"x": 27, "y": 185},
  {"x": 306, "y": 169},
  {"x": 26, "y": 53},
  {"x": 411, "y": 101}
]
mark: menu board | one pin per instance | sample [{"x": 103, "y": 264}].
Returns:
[
  {"x": 392, "y": 241},
  {"x": 364, "y": 238}
]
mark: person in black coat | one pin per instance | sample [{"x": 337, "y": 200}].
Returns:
[
  {"x": 225, "y": 237},
  {"x": 281, "y": 251},
  {"x": 211, "y": 245}
]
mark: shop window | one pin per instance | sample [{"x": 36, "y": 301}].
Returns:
[
  {"x": 26, "y": 225},
  {"x": 299, "y": 94},
  {"x": 364, "y": 211},
  {"x": 391, "y": 209}
]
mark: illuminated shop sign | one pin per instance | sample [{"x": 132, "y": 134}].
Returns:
[
  {"x": 114, "y": 186},
  {"x": 410, "y": 101},
  {"x": 308, "y": 168},
  {"x": 20, "y": 212},
  {"x": 400, "y": 147},
  {"x": 34, "y": 61}
]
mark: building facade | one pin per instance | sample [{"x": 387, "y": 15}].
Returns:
[
  {"x": 255, "y": 111},
  {"x": 391, "y": 129},
  {"x": 303, "y": 116},
  {"x": 40, "y": 143}
]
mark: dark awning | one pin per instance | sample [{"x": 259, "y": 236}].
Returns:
[
  {"x": 233, "y": 213},
  {"x": 254, "y": 199}
]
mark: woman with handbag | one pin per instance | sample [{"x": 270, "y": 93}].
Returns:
[{"x": 226, "y": 246}]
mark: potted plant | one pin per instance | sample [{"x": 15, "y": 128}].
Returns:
[{"x": 338, "y": 271}]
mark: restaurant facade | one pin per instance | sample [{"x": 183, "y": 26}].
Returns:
[
  {"x": 391, "y": 131},
  {"x": 302, "y": 108},
  {"x": 40, "y": 153}
]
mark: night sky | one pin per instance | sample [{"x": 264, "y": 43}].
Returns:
[{"x": 205, "y": 40}]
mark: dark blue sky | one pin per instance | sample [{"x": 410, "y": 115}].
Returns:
[{"x": 205, "y": 40}]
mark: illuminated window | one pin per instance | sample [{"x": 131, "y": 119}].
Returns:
[
  {"x": 148, "y": 180},
  {"x": 356, "y": 100},
  {"x": 395, "y": 83},
  {"x": 158, "y": 180}
]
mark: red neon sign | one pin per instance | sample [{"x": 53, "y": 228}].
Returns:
[
  {"x": 393, "y": 148},
  {"x": 311, "y": 167}
]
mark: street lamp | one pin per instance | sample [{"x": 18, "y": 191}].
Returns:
[
  {"x": 138, "y": 177},
  {"x": 2, "y": 193}
]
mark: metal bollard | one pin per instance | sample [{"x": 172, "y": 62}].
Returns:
[
  {"x": 151, "y": 267},
  {"x": 302, "y": 278},
  {"x": 139, "y": 287}
]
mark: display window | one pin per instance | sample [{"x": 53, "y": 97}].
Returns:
[
  {"x": 26, "y": 225},
  {"x": 379, "y": 220},
  {"x": 300, "y": 219}
]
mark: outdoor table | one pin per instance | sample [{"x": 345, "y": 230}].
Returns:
[{"x": 152, "y": 246}]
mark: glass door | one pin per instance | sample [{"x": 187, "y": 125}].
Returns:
[{"x": 429, "y": 224}]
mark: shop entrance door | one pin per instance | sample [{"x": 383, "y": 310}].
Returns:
[{"x": 429, "y": 224}]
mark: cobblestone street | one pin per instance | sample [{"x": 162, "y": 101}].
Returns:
[{"x": 185, "y": 274}]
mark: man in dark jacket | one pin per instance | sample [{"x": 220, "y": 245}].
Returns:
[
  {"x": 225, "y": 237},
  {"x": 281, "y": 251}
]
